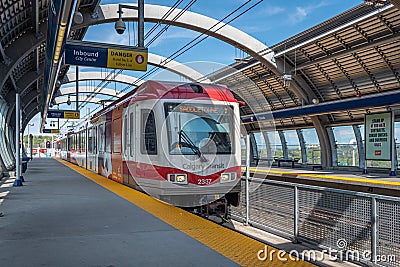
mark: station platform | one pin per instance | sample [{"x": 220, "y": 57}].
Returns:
[
  {"x": 378, "y": 183},
  {"x": 65, "y": 215}
]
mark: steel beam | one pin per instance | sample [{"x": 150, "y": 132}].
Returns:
[
  {"x": 324, "y": 142},
  {"x": 6, "y": 59},
  {"x": 284, "y": 144},
  {"x": 19, "y": 179},
  {"x": 381, "y": 100}
]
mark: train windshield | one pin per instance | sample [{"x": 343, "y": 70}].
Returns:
[{"x": 199, "y": 128}]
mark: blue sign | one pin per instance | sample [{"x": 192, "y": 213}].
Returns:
[
  {"x": 63, "y": 114},
  {"x": 86, "y": 55},
  {"x": 55, "y": 114},
  {"x": 106, "y": 55},
  {"x": 251, "y": 119}
]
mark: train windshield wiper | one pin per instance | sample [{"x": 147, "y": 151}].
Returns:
[{"x": 183, "y": 136}]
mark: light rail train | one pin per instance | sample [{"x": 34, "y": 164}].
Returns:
[{"x": 177, "y": 142}]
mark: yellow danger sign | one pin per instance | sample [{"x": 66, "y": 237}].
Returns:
[
  {"x": 126, "y": 59},
  {"x": 72, "y": 115}
]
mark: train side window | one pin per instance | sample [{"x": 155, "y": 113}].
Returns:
[
  {"x": 116, "y": 136},
  {"x": 83, "y": 141},
  {"x": 148, "y": 133},
  {"x": 102, "y": 138},
  {"x": 125, "y": 134},
  {"x": 94, "y": 139},
  {"x": 132, "y": 135},
  {"x": 90, "y": 140},
  {"x": 108, "y": 136},
  {"x": 79, "y": 145}
]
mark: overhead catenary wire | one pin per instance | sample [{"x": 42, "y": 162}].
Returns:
[
  {"x": 165, "y": 28},
  {"x": 194, "y": 42},
  {"x": 158, "y": 23},
  {"x": 197, "y": 40},
  {"x": 104, "y": 83}
]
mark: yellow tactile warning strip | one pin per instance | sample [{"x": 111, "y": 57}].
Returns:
[
  {"x": 325, "y": 176},
  {"x": 235, "y": 246}
]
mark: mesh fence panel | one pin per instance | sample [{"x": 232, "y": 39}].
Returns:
[
  {"x": 331, "y": 218},
  {"x": 388, "y": 233},
  {"x": 328, "y": 218},
  {"x": 272, "y": 206}
]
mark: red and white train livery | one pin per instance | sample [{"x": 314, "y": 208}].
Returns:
[{"x": 177, "y": 142}]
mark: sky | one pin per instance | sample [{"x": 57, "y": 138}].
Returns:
[{"x": 270, "y": 22}]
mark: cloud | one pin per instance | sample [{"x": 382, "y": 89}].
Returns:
[
  {"x": 301, "y": 13},
  {"x": 274, "y": 10},
  {"x": 171, "y": 34}
]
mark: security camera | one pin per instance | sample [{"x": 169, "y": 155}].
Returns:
[
  {"x": 69, "y": 102},
  {"x": 120, "y": 26}
]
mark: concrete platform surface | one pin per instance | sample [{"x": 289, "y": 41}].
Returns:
[{"x": 60, "y": 218}]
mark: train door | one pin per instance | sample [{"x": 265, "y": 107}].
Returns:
[
  {"x": 102, "y": 161},
  {"x": 86, "y": 144},
  {"x": 95, "y": 149},
  {"x": 89, "y": 151},
  {"x": 69, "y": 142},
  {"x": 116, "y": 153},
  {"x": 125, "y": 146},
  {"x": 132, "y": 141}
]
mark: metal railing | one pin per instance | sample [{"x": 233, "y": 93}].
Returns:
[{"x": 338, "y": 220}]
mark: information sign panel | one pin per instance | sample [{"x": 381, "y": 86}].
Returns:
[
  {"x": 105, "y": 55},
  {"x": 63, "y": 114},
  {"x": 378, "y": 136},
  {"x": 53, "y": 131}
]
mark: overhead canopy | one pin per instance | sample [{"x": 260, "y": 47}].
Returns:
[{"x": 353, "y": 55}]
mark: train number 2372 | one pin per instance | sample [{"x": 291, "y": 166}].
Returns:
[{"x": 204, "y": 181}]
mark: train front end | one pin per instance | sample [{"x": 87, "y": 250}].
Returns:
[{"x": 199, "y": 161}]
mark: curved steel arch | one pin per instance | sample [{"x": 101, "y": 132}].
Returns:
[
  {"x": 199, "y": 23},
  {"x": 26, "y": 44},
  {"x": 176, "y": 67},
  {"x": 189, "y": 20}
]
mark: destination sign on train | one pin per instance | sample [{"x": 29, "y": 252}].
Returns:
[
  {"x": 105, "y": 55},
  {"x": 199, "y": 108}
]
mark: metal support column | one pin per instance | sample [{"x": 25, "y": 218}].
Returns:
[
  {"x": 141, "y": 23},
  {"x": 324, "y": 141},
  {"x": 303, "y": 148},
  {"x": 31, "y": 145},
  {"x": 332, "y": 143},
  {"x": 253, "y": 146},
  {"x": 393, "y": 162},
  {"x": 36, "y": 17},
  {"x": 6, "y": 59},
  {"x": 374, "y": 229},
  {"x": 284, "y": 144},
  {"x": 296, "y": 216},
  {"x": 18, "y": 177},
  {"x": 360, "y": 146},
  {"x": 247, "y": 179},
  {"x": 267, "y": 145},
  {"x": 270, "y": 154},
  {"x": 77, "y": 88}
]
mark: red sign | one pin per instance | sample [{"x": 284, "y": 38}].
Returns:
[{"x": 378, "y": 152}]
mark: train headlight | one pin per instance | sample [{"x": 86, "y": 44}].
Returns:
[
  {"x": 178, "y": 178},
  {"x": 227, "y": 177}
]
